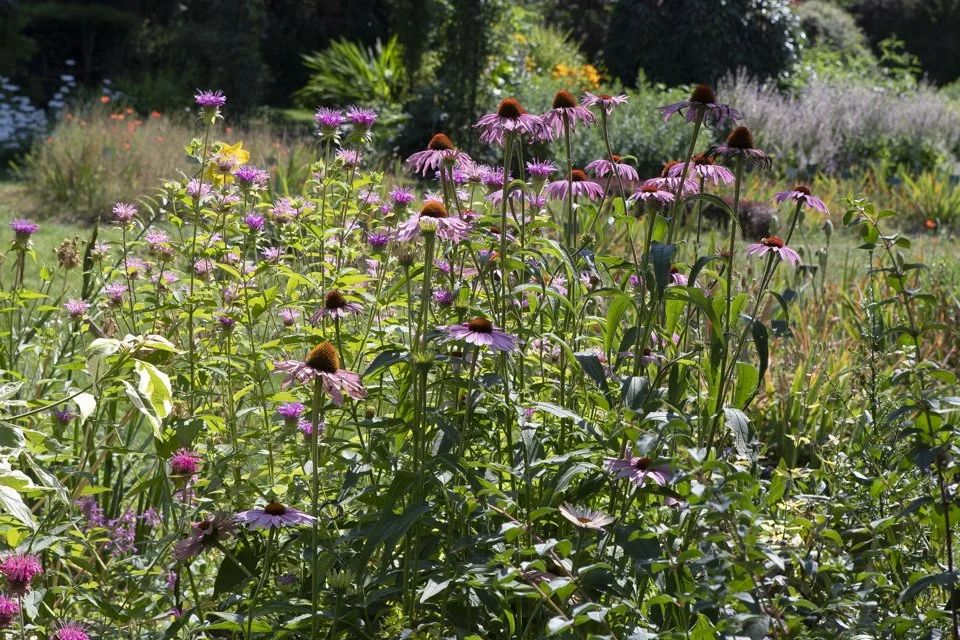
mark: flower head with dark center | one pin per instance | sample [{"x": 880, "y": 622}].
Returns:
[
  {"x": 566, "y": 112},
  {"x": 447, "y": 227},
  {"x": 480, "y": 332},
  {"x": 801, "y": 195},
  {"x": 274, "y": 515},
  {"x": 205, "y": 534},
  {"x": 20, "y": 569},
  {"x": 613, "y": 165},
  {"x": 439, "y": 152},
  {"x": 777, "y": 246},
  {"x": 651, "y": 191},
  {"x": 740, "y": 144},
  {"x": 586, "y": 519},
  {"x": 336, "y": 306},
  {"x": 210, "y": 99},
  {"x": 638, "y": 469},
  {"x": 702, "y": 103},
  {"x": 605, "y": 101},
  {"x": 511, "y": 119},
  {"x": 704, "y": 167},
  {"x": 582, "y": 186},
  {"x": 323, "y": 364}
]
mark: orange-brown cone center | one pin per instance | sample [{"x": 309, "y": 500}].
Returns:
[{"x": 323, "y": 357}]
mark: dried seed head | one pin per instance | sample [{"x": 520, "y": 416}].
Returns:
[
  {"x": 643, "y": 462},
  {"x": 275, "y": 509},
  {"x": 434, "y": 210},
  {"x": 740, "y": 138},
  {"x": 802, "y": 189},
  {"x": 649, "y": 188},
  {"x": 702, "y": 158},
  {"x": 480, "y": 325},
  {"x": 510, "y": 108},
  {"x": 772, "y": 241},
  {"x": 440, "y": 142},
  {"x": 323, "y": 357},
  {"x": 578, "y": 175},
  {"x": 563, "y": 99},
  {"x": 68, "y": 254},
  {"x": 703, "y": 94},
  {"x": 334, "y": 300}
]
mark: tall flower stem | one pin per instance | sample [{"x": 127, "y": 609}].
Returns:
[
  {"x": 571, "y": 223},
  {"x": 507, "y": 148},
  {"x": 193, "y": 260},
  {"x": 683, "y": 176},
  {"x": 430, "y": 241},
  {"x": 315, "y": 504},
  {"x": 259, "y": 584}
]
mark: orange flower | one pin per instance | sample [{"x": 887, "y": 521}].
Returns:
[
  {"x": 159, "y": 138},
  {"x": 129, "y": 110},
  {"x": 155, "y": 114},
  {"x": 126, "y": 145},
  {"x": 229, "y": 129},
  {"x": 931, "y": 224},
  {"x": 104, "y": 99}
]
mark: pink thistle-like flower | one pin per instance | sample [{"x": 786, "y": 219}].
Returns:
[
  {"x": 115, "y": 292},
  {"x": 274, "y": 515},
  {"x": 638, "y": 469},
  {"x": 586, "y": 519},
  {"x": 20, "y": 569},
  {"x": 69, "y": 631},
  {"x": 210, "y": 99},
  {"x": 704, "y": 167},
  {"x": 291, "y": 412},
  {"x": 250, "y": 177},
  {"x": 323, "y": 363},
  {"x": 336, "y": 306},
  {"x": 448, "y": 227},
  {"x": 511, "y": 119},
  {"x": 651, "y": 193},
  {"x": 566, "y": 109},
  {"x": 8, "y": 611},
  {"x": 606, "y": 102},
  {"x": 23, "y": 230},
  {"x": 289, "y": 316},
  {"x": 76, "y": 308},
  {"x": 480, "y": 332},
  {"x": 185, "y": 463},
  {"x": 702, "y": 102},
  {"x": 350, "y": 157},
  {"x": 557, "y": 190},
  {"x": 777, "y": 246},
  {"x": 329, "y": 120},
  {"x": 205, "y": 534},
  {"x": 439, "y": 152},
  {"x": 801, "y": 195},
  {"x": 124, "y": 213},
  {"x": 613, "y": 165},
  {"x": 361, "y": 117}
]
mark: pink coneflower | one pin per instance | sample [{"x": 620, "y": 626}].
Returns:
[
  {"x": 676, "y": 277},
  {"x": 124, "y": 213},
  {"x": 566, "y": 109},
  {"x": 289, "y": 316},
  {"x": 702, "y": 102},
  {"x": 614, "y": 165},
  {"x": 638, "y": 469},
  {"x": 651, "y": 193},
  {"x": 439, "y": 152},
  {"x": 511, "y": 118},
  {"x": 185, "y": 463},
  {"x": 274, "y": 515},
  {"x": 606, "y": 102},
  {"x": 704, "y": 167},
  {"x": 205, "y": 534},
  {"x": 480, "y": 332},
  {"x": 70, "y": 631},
  {"x": 557, "y": 190},
  {"x": 210, "y": 99},
  {"x": 517, "y": 193},
  {"x": 739, "y": 144},
  {"x": 20, "y": 569},
  {"x": 336, "y": 306},
  {"x": 777, "y": 246},
  {"x": 76, "y": 308},
  {"x": 323, "y": 363},
  {"x": 448, "y": 227},
  {"x": 651, "y": 357},
  {"x": 8, "y": 611},
  {"x": 586, "y": 519},
  {"x": 801, "y": 195}
]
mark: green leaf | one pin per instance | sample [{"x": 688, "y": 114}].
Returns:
[
  {"x": 155, "y": 386},
  {"x": 592, "y": 367},
  {"x": 635, "y": 391},
  {"x": 13, "y": 504},
  {"x": 739, "y": 425},
  {"x": 944, "y": 578},
  {"x": 433, "y": 588},
  {"x": 662, "y": 257},
  {"x": 747, "y": 383}
]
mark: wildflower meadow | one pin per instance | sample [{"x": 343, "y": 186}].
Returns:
[{"x": 491, "y": 395}]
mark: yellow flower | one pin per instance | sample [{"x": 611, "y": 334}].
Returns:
[{"x": 226, "y": 155}]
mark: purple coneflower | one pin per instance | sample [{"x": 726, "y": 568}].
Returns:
[
  {"x": 210, "y": 99},
  {"x": 185, "y": 463},
  {"x": 651, "y": 193},
  {"x": 801, "y": 195},
  {"x": 676, "y": 277},
  {"x": 8, "y": 611},
  {"x": 606, "y": 102},
  {"x": 480, "y": 332},
  {"x": 69, "y": 631},
  {"x": 439, "y": 152},
  {"x": 557, "y": 190},
  {"x": 638, "y": 469},
  {"x": 777, "y": 246},
  {"x": 511, "y": 118},
  {"x": 448, "y": 227},
  {"x": 274, "y": 515},
  {"x": 586, "y": 519},
  {"x": 702, "y": 103},
  {"x": 323, "y": 363},
  {"x": 566, "y": 109},
  {"x": 76, "y": 308},
  {"x": 614, "y": 165},
  {"x": 705, "y": 167},
  {"x": 650, "y": 357},
  {"x": 20, "y": 569},
  {"x": 205, "y": 534},
  {"x": 740, "y": 144},
  {"x": 336, "y": 306}
]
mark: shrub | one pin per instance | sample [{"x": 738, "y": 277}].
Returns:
[
  {"x": 700, "y": 40},
  {"x": 828, "y": 25}
]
